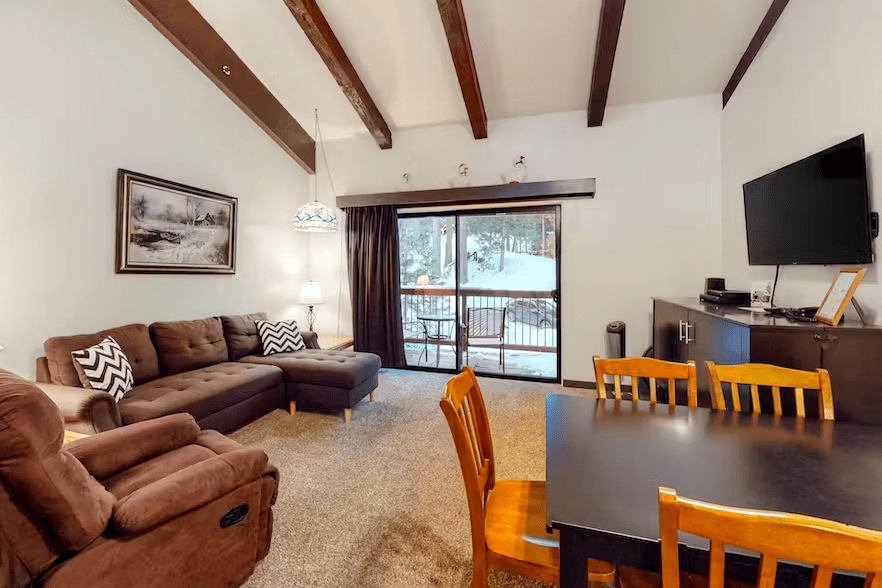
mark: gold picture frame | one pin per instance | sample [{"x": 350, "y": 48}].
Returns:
[{"x": 839, "y": 295}]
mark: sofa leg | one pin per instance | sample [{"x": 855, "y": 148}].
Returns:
[
  {"x": 292, "y": 407},
  {"x": 347, "y": 415},
  {"x": 372, "y": 395}
]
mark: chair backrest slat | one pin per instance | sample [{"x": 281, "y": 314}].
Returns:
[
  {"x": 774, "y": 377},
  {"x": 827, "y": 545},
  {"x": 776, "y": 401},
  {"x": 767, "y": 572},
  {"x": 717, "y": 568},
  {"x": 646, "y": 367},
  {"x": 800, "y": 401},
  {"x": 821, "y": 577},
  {"x": 736, "y": 397}
]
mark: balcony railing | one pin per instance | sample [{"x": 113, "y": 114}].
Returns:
[{"x": 530, "y": 323}]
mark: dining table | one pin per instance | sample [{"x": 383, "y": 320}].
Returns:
[{"x": 606, "y": 459}]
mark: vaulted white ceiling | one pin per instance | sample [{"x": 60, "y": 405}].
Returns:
[{"x": 532, "y": 57}]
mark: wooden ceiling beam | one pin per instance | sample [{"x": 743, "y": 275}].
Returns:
[
  {"x": 318, "y": 31},
  {"x": 187, "y": 30},
  {"x": 611, "y": 14},
  {"x": 754, "y": 47},
  {"x": 453, "y": 17}
]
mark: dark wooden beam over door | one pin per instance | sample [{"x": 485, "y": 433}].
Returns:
[
  {"x": 611, "y": 14},
  {"x": 454, "y": 20},
  {"x": 319, "y": 33},
  {"x": 500, "y": 193},
  {"x": 187, "y": 30},
  {"x": 753, "y": 49}
]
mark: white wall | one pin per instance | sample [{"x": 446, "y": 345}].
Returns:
[
  {"x": 89, "y": 87},
  {"x": 816, "y": 82},
  {"x": 652, "y": 230}
]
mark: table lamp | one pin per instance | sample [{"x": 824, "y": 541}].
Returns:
[{"x": 311, "y": 295}]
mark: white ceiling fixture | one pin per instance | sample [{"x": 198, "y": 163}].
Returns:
[{"x": 315, "y": 217}]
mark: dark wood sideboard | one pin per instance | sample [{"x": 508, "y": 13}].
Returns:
[{"x": 686, "y": 328}]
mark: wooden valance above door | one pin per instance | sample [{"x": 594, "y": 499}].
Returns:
[{"x": 528, "y": 191}]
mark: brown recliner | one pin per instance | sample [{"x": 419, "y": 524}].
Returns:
[{"x": 157, "y": 503}]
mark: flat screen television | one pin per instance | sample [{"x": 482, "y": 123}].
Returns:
[{"x": 815, "y": 211}]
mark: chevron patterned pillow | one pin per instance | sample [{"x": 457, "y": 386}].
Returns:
[
  {"x": 279, "y": 336},
  {"x": 105, "y": 367}
]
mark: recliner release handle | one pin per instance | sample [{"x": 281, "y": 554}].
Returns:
[{"x": 234, "y": 516}]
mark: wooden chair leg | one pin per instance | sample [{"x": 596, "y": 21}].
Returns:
[
  {"x": 347, "y": 415},
  {"x": 372, "y": 395},
  {"x": 292, "y": 407}
]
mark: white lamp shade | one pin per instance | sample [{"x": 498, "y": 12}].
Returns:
[{"x": 311, "y": 293}]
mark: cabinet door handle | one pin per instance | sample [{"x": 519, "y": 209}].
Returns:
[
  {"x": 687, "y": 327},
  {"x": 680, "y": 337},
  {"x": 820, "y": 338},
  {"x": 832, "y": 338}
]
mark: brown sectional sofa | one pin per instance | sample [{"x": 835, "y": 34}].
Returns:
[{"x": 211, "y": 368}]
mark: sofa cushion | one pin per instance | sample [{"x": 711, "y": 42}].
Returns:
[
  {"x": 343, "y": 369},
  {"x": 134, "y": 340},
  {"x": 240, "y": 331},
  {"x": 50, "y": 481},
  {"x": 104, "y": 367},
  {"x": 189, "y": 345},
  {"x": 200, "y": 392},
  {"x": 280, "y": 336}
]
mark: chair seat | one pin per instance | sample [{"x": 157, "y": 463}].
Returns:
[{"x": 515, "y": 527}]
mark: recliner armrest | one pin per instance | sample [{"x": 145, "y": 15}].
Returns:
[
  {"x": 111, "y": 452},
  {"x": 96, "y": 409},
  {"x": 186, "y": 490},
  {"x": 310, "y": 339}
]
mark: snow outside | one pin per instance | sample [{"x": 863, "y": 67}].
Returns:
[{"x": 504, "y": 254}]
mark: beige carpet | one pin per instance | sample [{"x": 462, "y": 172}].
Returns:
[{"x": 380, "y": 501}]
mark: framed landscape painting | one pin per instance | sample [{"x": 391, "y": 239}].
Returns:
[{"x": 165, "y": 227}]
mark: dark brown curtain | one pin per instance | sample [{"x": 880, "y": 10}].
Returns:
[{"x": 372, "y": 239}]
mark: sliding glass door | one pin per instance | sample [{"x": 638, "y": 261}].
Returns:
[
  {"x": 480, "y": 288},
  {"x": 427, "y": 254}
]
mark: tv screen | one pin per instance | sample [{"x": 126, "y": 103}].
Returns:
[{"x": 814, "y": 211}]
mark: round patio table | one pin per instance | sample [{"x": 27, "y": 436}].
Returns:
[{"x": 435, "y": 335}]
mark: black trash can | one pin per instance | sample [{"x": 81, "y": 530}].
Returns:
[{"x": 615, "y": 340}]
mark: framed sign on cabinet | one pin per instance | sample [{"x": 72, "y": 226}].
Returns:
[{"x": 839, "y": 295}]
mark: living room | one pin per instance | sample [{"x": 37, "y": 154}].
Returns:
[{"x": 94, "y": 87}]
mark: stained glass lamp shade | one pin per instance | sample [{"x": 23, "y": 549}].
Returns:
[{"x": 315, "y": 217}]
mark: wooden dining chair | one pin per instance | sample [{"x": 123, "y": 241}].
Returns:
[
  {"x": 827, "y": 545},
  {"x": 646, "y": 367},
  {"x": 775, "y": 377},
  {"x": 507, "y": 516}
]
